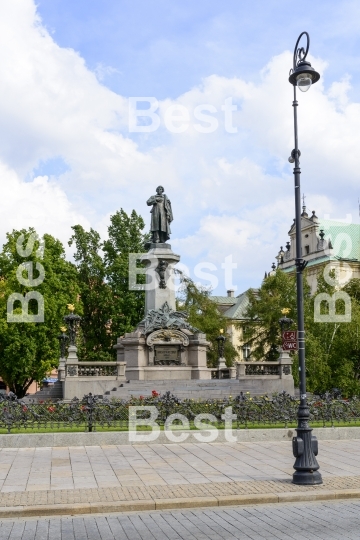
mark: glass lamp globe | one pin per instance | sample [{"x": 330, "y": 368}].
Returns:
[
  {"x": 304, "y": 82},
  {"x": 303, "y": 76}
]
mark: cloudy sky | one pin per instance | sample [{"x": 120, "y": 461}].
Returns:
[{"x": 69, "y": 155}]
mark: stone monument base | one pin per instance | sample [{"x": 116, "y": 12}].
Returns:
[
  {"x": 165, "y": 354},
  {"x": 156, "y": 374},
  {"x": 80, "y": 378}
]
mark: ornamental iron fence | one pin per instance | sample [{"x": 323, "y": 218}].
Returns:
[
  {"x": 95, "y": 412},
  {"x": 262, "y": 369}
]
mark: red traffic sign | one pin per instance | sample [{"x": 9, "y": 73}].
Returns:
[
  {"x": 289, "y": 345},
  {"x": 289, "y": 335},
  {"x": 289, "y": 340}
]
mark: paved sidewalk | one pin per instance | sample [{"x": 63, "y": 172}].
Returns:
[
  {"x": 301, "y": 521},
  {"x": 113, "y": 478}
]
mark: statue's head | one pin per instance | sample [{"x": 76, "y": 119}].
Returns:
[{"x": 160, "y": 190}]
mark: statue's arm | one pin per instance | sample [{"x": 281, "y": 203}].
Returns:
[
  {"x": 151, "y": 201},
  {"x": 169, "y": 213}
]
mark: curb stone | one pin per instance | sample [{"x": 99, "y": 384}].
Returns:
[
  {"x": 103, "y": 438},
  {"x": 173, "y": 504}
]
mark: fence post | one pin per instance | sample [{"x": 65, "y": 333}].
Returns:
[{"x": 240, "y": 369}]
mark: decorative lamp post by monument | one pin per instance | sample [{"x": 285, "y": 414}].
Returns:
[
  {"x": 73, "y": 323},
  {"x": 221, "y": 348},
  {"x": 63, "y": 338},
  {"x": 305, "y": 446},
  {"x": 285, "y": 322},
  {"x": 221, "y": 343}
]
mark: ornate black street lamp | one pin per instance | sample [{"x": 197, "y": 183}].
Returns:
[
  {"x": 73, "y": 323},
  {"x": 63, "y": 339},
  {"x": 285, "y": 323},
  {"x": 305, "y": 447},
  {"x": 221, "y": 344}
]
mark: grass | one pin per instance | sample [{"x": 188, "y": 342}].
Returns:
[{"x": 81, "y": 429}]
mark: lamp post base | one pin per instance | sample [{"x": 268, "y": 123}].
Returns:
[
  {"x": 305, "y": 450},
  {"x": 307, "y": 478}
]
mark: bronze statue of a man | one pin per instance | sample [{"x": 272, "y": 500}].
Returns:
[{"x": 161, "y": 216}]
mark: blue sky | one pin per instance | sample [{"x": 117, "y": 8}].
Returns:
[
  {"x": 164, "y": 48},
  {"x": 67, "y": 154}
]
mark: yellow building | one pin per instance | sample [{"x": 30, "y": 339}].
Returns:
[
  {"x": 234, "y": 308},
  {"x": 326, "y": 245}
]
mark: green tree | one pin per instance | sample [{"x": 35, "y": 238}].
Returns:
[
  {"x": 332, "y": 348},
  {"x": 95, "y": 340},
  {"x": 109, "y": 308},
  {"x": 125, "y": 236},
  {"x": 204, "y": 315},
  {"x": 353, "y": 290},
  {"x": 263, "y": 333},
  {"x": 30, "y": 350}
]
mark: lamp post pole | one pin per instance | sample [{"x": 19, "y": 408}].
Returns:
[
  {"x": 305, "y": 446},
  {"x": 221, "y": 347}
]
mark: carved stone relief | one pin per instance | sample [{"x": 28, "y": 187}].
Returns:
[{"x": 168, "y": 336}]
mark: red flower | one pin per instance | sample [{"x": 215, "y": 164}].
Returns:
[
  {"x": 154, "y": 393},
  {"x": 51, "y": 409},
  {"x": 24, "y": 409},
  {"x": 141, "y": 397}
]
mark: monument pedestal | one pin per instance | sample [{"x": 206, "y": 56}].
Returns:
[
  {"x": 160, "y": 284},
  {"x": 164, "y": 346},
  {"x": 165, "y": 354}
]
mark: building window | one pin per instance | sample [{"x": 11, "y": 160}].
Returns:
[
  {"x": 307, "y": 250},
  {"x": 246, "y": 351}
]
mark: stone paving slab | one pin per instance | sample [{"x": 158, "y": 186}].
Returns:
[
  {"x": 332, "y": 520},
  {"x": 153, "y": 493},
  {"x": 95, "y": 467},
  {"x": 45, "y": 481}
]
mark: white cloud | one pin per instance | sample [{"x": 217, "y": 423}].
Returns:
[
  {"x": 103, "y": 71},
  {"x": 231, "y": 193},
  {"x": 41, "y": 204}
]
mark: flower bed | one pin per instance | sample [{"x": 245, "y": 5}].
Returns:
[{"x": 91, "y": 412}]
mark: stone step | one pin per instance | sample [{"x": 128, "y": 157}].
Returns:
[
  {"x": 54, "y": 392},
  {"x": 182, "y": 389},
  {"x": 190, "y": 382},
  {"x": 182, "y": 386}
]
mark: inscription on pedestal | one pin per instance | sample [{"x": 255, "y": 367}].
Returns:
[{"x": 167, "y": 355}]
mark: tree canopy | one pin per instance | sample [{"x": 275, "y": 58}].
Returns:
[
  {"x": 332, "y": 349},
  {"x": 98, "y": 285},
  {"x": 109, "y": 308},
  {"x": 125, "y": 236},
  {"x": 278, "y": 291},
  {"x": 29, "y": 350},
  {"x": 204, "y": 315}
]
